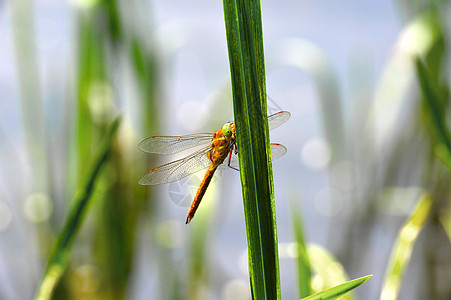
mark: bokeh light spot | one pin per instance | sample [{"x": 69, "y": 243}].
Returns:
[
  {"x": 292, "y": 250},
  {"x": 85, "y": 280},
  {"x": 316, "y": 154},
  {"x": 85, "y": 3},
  {"x": 317, "y": 283},
  {"x": 101, "y": 101},
  {"x": 38, "y": 208},
  {"x": 236, "y": 290}
]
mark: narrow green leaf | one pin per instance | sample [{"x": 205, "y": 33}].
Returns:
[
  {"x": 146, "y": 70},
  {"x": 245, "y": 46},
  {"x": 339, "y": 290},
  {"x": 402, "y": 250},
  {"x": 59, "y": 256},
  {"x": 303, "y": 260},
  {"x": 444, "y": 154},
  {"x": 435, "y": 113},
  {"x": 91, "y": 76}
]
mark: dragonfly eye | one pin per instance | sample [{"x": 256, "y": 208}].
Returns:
[{"x": 226, "y": 130}]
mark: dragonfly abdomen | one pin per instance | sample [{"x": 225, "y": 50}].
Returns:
[{"x": 201, "y": 191}]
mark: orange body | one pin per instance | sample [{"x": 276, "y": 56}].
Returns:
[{"x": 220, "y": 149}]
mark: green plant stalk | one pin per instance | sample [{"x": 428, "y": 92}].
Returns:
[
  {"x": 116, "y": 219},
  {"x": 435, "y": 113},
  {"x": 339, "y": 290},
  {"x": 303, "y": 260},
  {"x": 402, "y": 250},
  {"x": 59, "y": 256},
  {"x": 245, "y": 47},
  {"x": 91, "y": 71}
]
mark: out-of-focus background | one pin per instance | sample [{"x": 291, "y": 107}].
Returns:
[{"x": 359, "y": 150}]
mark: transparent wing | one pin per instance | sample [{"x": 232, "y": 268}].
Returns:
[
  {"x": 277, "y": 119},
  {"x": 178, "y": 169},
  {"x": 277, "y": 150},
  {"x": 174, "y": 144}
]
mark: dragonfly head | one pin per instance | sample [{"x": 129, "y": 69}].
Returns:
[{"x": 227, "y": 130}]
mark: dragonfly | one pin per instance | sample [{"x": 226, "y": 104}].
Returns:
[{"x": 217, "y": 148}]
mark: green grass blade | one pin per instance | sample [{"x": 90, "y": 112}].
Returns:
[
  {"x": 91, "y": 74},
  {"x": 59, "y": 256},
  {"x": 402, "y": 250},
  {"x": 339, "y": 290},
  {"x": 303, "y": 260},
  {"x": 435, "y": 113},
  {"x": 245, "y": 46},
  {"x": 146, "y": 69}
]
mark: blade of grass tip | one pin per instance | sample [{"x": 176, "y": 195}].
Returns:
[
  {"x": 303, "y": 260},
  {"x": 59, "y": 256},
  {"x": 402, "y": 250},
  {"x": 339, "y": 290},
  {"x": 245, "y": 47}
]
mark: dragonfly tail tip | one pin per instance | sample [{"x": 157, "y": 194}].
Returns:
[{"x": 188, "y": 219}]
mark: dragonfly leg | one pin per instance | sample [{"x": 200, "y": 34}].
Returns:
[{"x": 230, "y": 158}]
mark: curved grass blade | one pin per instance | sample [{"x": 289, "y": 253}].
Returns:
[
  {"x": 402, "y": 250},
  {"x": 339, "y": 290},
  {"x": 59, "y": 256},
  {"x": 245, "y": 47},
  {"x": 419, "y": 37},
  {"x": 436, "y": 113}
]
